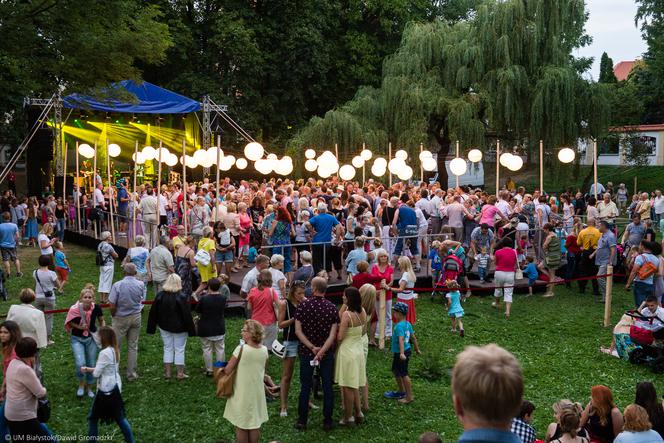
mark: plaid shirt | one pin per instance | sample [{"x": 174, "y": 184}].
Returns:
[{"x": 523, "y": 430}]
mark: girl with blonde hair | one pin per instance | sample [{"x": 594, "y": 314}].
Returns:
[{"x": 405, "y": 293}]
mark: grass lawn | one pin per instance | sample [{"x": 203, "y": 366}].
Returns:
[{"x": 557, "y": 341}]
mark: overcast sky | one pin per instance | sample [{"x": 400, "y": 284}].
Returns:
[{"x": 611, "y": 24}]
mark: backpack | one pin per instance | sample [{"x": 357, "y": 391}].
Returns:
[
  {"x": 647, "y": 269},
  {"x": 99, "y": 258}
]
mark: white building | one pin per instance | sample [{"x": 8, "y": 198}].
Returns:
[{"x": 611, "y": 151}]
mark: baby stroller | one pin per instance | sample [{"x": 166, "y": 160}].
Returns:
[
  {"x": 648, "y": 352},
  {"x": 452, "y": 268}
]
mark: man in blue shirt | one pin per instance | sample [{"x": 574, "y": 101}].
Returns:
[
  {"x": 405, "y": 221},
  {"x": 9, "y": 236},
  {"x": 123, "y": 203},
  {"x": 487, "y": 391},
  {"x": 604, "y": 255},
  {"x": 323, "y": 226}
]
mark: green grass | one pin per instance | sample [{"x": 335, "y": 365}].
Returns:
[{"x": 557, "y": 341}]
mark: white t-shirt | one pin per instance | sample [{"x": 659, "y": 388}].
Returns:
[
  {"x": 224, "y": 237},
  {"x": 656, "y": 324},
  {"x": 98, "y": 198},
  {"x": 277, "y": 276},
  {"x": 49, "y": 249},
  {"x": 163, "y": 202},
  {"x": 47, "y": 282},
  {"x": 659, "y": 205}
]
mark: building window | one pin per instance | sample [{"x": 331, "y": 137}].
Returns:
[{"x": 609, "y": 146}]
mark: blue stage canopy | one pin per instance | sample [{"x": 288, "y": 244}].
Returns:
[{"x": 151, "y": 99}]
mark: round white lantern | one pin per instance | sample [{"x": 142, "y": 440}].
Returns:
[
  {"x": 425, "y": 154},
  {"x": 253, "y": 151},
  {"x": 429, "y": 164},
  {"x": 323, "y": 172},
  {"x": 226, "y": 163},
  {"x": 516, "y": 162},
  {"x": 272, "y": 156},
  {"x": 191, "y": 162},
  {"x": 284, "y": 166},
  {"x": 475, "y": 155},
  {"x": 149, "y": 152},
  {"x": 505, "y": 158},
  {"x": 86, "y": 150},
  {"x": 405, "y": 173},
  {"x": 241, "y": 163},
  {"x": 377, "y": 171},
  {"x": 163, "y": 152},
  {"x": 171, "y": 160},
  {"x": 139, "y": 159},
  {"x": 311, "y": 165},
  {"x": 263, "y": 166},
  {"x": 200, "y": 156},
  {"x": 395, "y": 165},
  {"x": 309, "y": 154},
  {"x": 358, "y": 161},
  {"x": 458, "y": 166},
  {"x": 380, "y": 162},
  {"x": 114, "y": 150},
  {"x": 214, "y": 153},
  {"x": 346, "y": 172},
  {"x": 403, "y": 155},
  {"x": 366, "y": 155},
  {"x": 566, "y": 155}
]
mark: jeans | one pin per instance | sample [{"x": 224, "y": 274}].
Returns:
[
  {"x": 641, "y": 291},
  {"x": 570, "y": 271},
  {"x": 482, "y": 273},
  {"x": 326, "y": 367},
  {"x": 174, "y": 346},
  {"x": 129, "y": 328},
  {"x": 60, "y": 226},
  {"x": 4, "y": 429},
  {"x": 85, "y": 354},
  {"x": 125, "y": 428},
  {"x": 46, "y": 304},
  {"x": 414, "y": 249},
  {"x": 210, "y": 346},
  {"x": 285, "y": 251},
  {"x": 588, "y": 269}
]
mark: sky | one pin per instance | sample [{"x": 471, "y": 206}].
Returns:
[{"x": 611, "y": 24}]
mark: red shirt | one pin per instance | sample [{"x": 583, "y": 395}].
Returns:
[
  {"x": 386, "y": 275},
  {"x": 363, "y": 278},
  {"x": 6, "y": 361},
  {"x": 262, "y": 309},
  {"x": 571, "y": 244},
  {"x": 505, "y": 260}
]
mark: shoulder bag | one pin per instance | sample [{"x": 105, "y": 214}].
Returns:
[
  {"x": 226, "y": 379},
  {"x": 47, "y": 294},
  {"x": 518, "y": 273}
]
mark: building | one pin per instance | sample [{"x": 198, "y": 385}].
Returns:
[
  {"x": 623, "y": 69},
  {"x": 611, "y": 150}
]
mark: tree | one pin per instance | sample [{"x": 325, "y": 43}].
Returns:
[
  {"x": 650, "y": 17},
  {"x": 73, "y": 46},
  {"x": 505, "y": 73},
  {"x": 606, "y": 74}
]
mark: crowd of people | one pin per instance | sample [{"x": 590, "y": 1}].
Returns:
[{"x": 298, "y": 237}]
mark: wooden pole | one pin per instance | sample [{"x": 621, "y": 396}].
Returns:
[
  {"x": 595, "y": 166},
  {"x": 421, "y": 168},
  {"x": 364, "y": 168},
  {"x": 635, "y": 183},
  {"x": 457, "y": 155},
  {"x": 216, "y": 203},
  {"x": 78, "y": 196},
  {"x": 336, "y": 154},
  {"x": 609, "y": 296},
  {"x": 497, "y": 167},
  {"x": 185, "y": 196},
  {"x": 389, "y": 157},
  {"x": 381, "y": 319},
  {"x": 134, "y": 196},
  {"x": 64, "y": 178},
  {"x": 110, "y": 191},
  {"x": 541, "y": 166}
]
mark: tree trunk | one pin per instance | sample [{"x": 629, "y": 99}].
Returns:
[{"x": 445, "y": 144}]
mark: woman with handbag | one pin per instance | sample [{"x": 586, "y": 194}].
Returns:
[
  {"x": 46, "y": 281},
  {"x": 81, "y": 324},
  {"x": 171, "y": 312},
  {"x": 296, "y": 295},
  {"x": 108, "y": 404},
  {"x": 206, "y": 258},
  {"x": 23, "y": 392},
  {"x": 246, "y": 408}
]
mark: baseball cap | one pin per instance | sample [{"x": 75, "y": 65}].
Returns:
[{"x": 400, "y": 307}]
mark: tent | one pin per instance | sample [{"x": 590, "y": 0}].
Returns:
[{"x": 150, "y": 99}]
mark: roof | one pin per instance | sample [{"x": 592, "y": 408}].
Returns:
[
  {"x": 623, "y": 69},
  {"x": 150, "y": 99},
  {"x": 638, "y": 128}
]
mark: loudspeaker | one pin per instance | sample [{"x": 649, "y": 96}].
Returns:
[{"x": 39, "y": 155}]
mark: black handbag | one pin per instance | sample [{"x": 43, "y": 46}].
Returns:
[{"x": 43, "y": 410}]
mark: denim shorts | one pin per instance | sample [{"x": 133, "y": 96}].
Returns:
[
  {"x": 224, "y": 257},
  {"x": 291, "y": 348},
  {"x": 531, "y": 281}
]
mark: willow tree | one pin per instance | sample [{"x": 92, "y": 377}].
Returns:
[{"x": 505, "y": 73}]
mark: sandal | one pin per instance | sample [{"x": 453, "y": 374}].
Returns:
[
  {"x": 181, "y": 376},
  {"x": 405, "y": 401},
  {"x": 349, "y": 422}
]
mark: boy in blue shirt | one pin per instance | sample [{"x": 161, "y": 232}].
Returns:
[
  {"x": 435, "y": 261},
  {"x": 530, "y": 271},
  {"x": 401, "y": 345}
]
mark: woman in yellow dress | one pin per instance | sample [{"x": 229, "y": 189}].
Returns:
[
  {"x": 246, "y": 409},
  {"x": 208, "y": 271},
  {"x": 350, "y": 364}
]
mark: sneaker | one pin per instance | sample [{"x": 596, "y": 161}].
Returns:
[
  {"x": 80, "y": 392},
  {"x": 461, "y": 333},
  {"x": 548, "y": 295},
  {"x": 19, "y": 274},
  {"x": 283, "y": 413},
  {"x": 91, "y": 394},
  {"x": 51, "y": 342},
  {"x": 328, "y": 425},
  {"x": 394, "y": 395}
]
